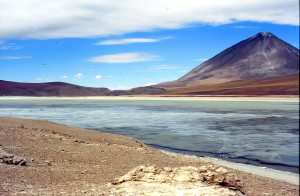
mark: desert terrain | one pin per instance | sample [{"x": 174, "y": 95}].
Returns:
[{"x": 45, "y": 158}]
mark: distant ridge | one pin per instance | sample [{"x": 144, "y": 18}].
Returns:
[{"x": 8, "y": 88}]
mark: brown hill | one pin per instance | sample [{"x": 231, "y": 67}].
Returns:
[
  {"x": 276, "y": 85},
  {"x": 146, "y": 90},
  {"x": 261, "y": 56},
  {"x": 8, "y": 88}
]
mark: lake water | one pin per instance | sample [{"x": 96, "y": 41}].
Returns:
[{"x": 255, "y": 132}]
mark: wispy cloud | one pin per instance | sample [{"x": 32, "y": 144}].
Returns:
[
  {"x": 79, "y": 76},
  {"x": 151, "y": 83},
  {"x": 124, "y": 58},
  {"x": 201, "y": 60},
  {"x": 131, "y": 40},
  {"x": 8, "y": 46},
  {"x": 95, "y": 18},
  {"x": 44, "y": 79},
  {"x": 165, "y": 67},
  {"x": 98, "y": 77},
  {"x": 64, "y": 77},
  {"x": 246, "y": 27},
  {"x": 121, "y": 87},
  {"x": 14, "y": 57}
]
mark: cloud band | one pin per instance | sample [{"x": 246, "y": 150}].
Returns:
[{"x": 94, "y": 18}]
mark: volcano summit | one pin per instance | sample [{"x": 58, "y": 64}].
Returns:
[{"x": 263, "y": 60}]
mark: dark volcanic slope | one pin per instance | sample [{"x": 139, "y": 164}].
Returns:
[
  {"x": 276, "y": 85},
  {"x": 48, "y": 89},
  {"x": 263, "y": 55}
]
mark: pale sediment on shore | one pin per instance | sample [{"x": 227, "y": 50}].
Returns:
[
  {"x": 261, "y": 171},
  {"x": 206, "y": 98},
  {"x": 288, "y": 98},
  {"x": 284, "y": 176},
  {"x": 66, "y": 160}
]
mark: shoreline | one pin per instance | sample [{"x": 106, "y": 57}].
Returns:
[
  {"x": 275, "y": 174},
  {"x": 246, "y": 162},
  {"x": 63, "y": 159},
  {"x": 271, "y": 98}
]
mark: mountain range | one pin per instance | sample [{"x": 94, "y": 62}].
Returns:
[
  {"x": 260, "y": 65},
  {"x": 8, "y": 88}
]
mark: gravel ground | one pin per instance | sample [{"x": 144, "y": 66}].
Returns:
[{"x": 73, "y": 161}]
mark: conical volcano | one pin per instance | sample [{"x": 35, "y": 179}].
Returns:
[{"x": 260, "y": 56}]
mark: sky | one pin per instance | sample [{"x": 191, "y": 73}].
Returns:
[{"x": 121, "y": 44}]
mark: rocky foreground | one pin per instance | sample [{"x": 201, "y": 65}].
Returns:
[
  {"x": 151, "y": 180},
  {"x": 45, "y": 158}
]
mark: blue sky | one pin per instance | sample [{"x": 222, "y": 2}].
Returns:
[{"x": 129, "y": 43}]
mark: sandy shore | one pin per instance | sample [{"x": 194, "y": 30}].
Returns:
[
  {"x": 287, "y": 98},
  {"x": 64, "y": 160},
  {"x": 205, "y": 98}
]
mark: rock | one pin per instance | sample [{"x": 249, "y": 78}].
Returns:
[
  {"x": 203, "y": 169},
  {"x": 17, "y": 160},
  {"x": 11, "y": 159},
  {"x": 150, "y": 169},
  {"x": 152, "y": 180},
  {"x": 8, "y": 159},
  {"x": 187, "y": 174},
  {"x": 168, "y": 169},
  {"x": 48, "y": 162},
  {"x": 232, "y": 181},
  {"x": 221, "y": 170}
]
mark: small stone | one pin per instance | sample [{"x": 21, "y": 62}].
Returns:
[
  {"x": 221, "y": 170},
  {"x": 8, "y": 160},
  {"x": 16, "y": 160},
  {"x": 168, "y": 169},
  {"x": 84, "y": 171},
  {"x": 219, "y": 179},
  {"x": 150, "y": 169},
  {"x": 23, "y": 163},
  {"x": 203, "y": 169},
  {"x": 230, "y": 180}
]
